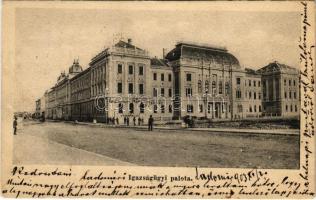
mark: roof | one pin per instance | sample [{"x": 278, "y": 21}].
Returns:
[
  {"x": 209, "y": 53},
  {"x": 123, "y": 44},
  {"x": 159, "y": 63},
  {"x": 251, "y": 71},
  {"x": 276, "y": 67}
]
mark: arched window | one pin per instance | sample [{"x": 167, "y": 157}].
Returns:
[
  {"x": 206, "y": 86},
  {"x": 141, "y": 107},
  {"x": 170, "y": 108},
  {"x": 250, "y": 109},
  {"x": 120, "y": 108},
  {"x": 213, "y": 87},
  {"x": 131, "y": 108},
  {"x": 220, "y": 88}
]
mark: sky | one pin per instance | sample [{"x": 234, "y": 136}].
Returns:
[{"x": 49, "y": 39}]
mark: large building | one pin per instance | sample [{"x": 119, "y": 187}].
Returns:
[{"x": 196, "y": 80}]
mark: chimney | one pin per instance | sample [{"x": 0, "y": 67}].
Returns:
[
  {"x": 129, "y": 41},
  {"x": 164, "y": 53}
]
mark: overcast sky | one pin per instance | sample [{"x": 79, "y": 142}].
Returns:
[{"x": 47, "y": 40}]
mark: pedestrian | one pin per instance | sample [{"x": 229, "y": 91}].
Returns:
[
  {"x": 150, "y": 123},
  {"x": 15, "y": 124},
  {"x": 117, "y": 121},
  {"x": 134, "y": 120},
  {"x": 124, "y": 120},
  {"x": 139, "y": 120},
  {"x": 127, "y": 121}
]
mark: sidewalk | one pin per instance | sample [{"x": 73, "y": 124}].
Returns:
[
  {"x": 36, "y": 150},
  {"x": 213, "y": 130}
]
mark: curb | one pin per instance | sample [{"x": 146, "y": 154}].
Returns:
[{"x": 242, "y": 132}]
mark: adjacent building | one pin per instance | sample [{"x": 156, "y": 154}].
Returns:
[{"x": 193, "y": 79}]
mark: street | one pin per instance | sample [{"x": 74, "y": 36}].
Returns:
[{"x": 66, "y": 143}]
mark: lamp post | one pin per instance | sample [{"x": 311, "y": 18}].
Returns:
[{"x": 106, "y": 104}]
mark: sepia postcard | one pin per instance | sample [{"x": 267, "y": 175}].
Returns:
[{"x": 133, "y": 99}]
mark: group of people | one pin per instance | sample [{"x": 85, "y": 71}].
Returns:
[
  {"x": 140, "y": 121},
  {"x": 136, "y": 121}
]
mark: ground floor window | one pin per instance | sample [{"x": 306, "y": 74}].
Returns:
[
  {"x": 190, "y": 108},
  {"x": 170, "y": 108}
]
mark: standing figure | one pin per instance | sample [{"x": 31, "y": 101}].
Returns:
[
  {"x": 15, "y": 124},
  {"x": 139, "y": 120},
  {"x": 150, "y": 123},
  {"x": 117, "y": 121},
  {"x": 127, "y": 121}
]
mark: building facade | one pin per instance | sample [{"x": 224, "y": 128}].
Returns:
[
  {"x": 280, "y": 90},
  {"x": 196, "y": 80}
]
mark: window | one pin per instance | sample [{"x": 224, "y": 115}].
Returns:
[
  {"x": 120, "y": 108},
  {"x": 188, "y": 92},
  {"x": 119, "y": 88},
  {"x": 254, "y": 95},
  {"x": 189, "y": 108},
  {"x": 226, "y": 88},
  {"x": 285, "y": 95},
  {"x": 130, "y": 88},
  {"x": 259, "y": 108},
  {"x": 162, "y": 92},
  {"x": 250, "y": 109},
  {"x": 131, "y": 108},
  {"x": 155, "y": 92},
  {"x": 249, "y": 95},
  {"x": 254, "y": 83},
  {"x": 162, "y": 77},
  {"x": 290, "y": 82},
  {"x": 155, "y": 76},
  {"x": 295, "y": 108},
  {"x": 238, "y": 94},
  {"x": 201, "y": 108},
  {"x": 189, "y": 78},
  {"x": 284, "y": 81},
  {"x": 238, "y": 81},
  {"x": 155, "y": 108},
  {"x": 259, "y": 95},
  {"x": 119, "y": 68},
  {"x": 199, "y": 86},
  {"x": 294, "y": 93},
  {"x": 286, "y": 108},
  {"x": 255, "y": 108},
  {"x": 169, "y": 77},
  {"x": 206, "y": 87},
  {"x": 170, "y": 92},
  {"x": 130, "y": 69},
  {"x": 162, "y": 108},
  {"x": 141, "y": 70},
  {"x": 214, "y": 87},
  {"x": 290, "y": 94},
  {"x": 249, "y": 83},
  {"x": 170, "y": 108},
  {"x": 141, "y": 88},
  {"x": 291, "y": 108},
  {"x": 141, "y": 107},
  {"x": 294, "y": 82},
  {"x": 259, "y": 83},
  {"x": 239, "y": 108},
  {"x": 220, "y": 88}
]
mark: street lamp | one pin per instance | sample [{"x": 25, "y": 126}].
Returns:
[{"x": 106, "y": 104}]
